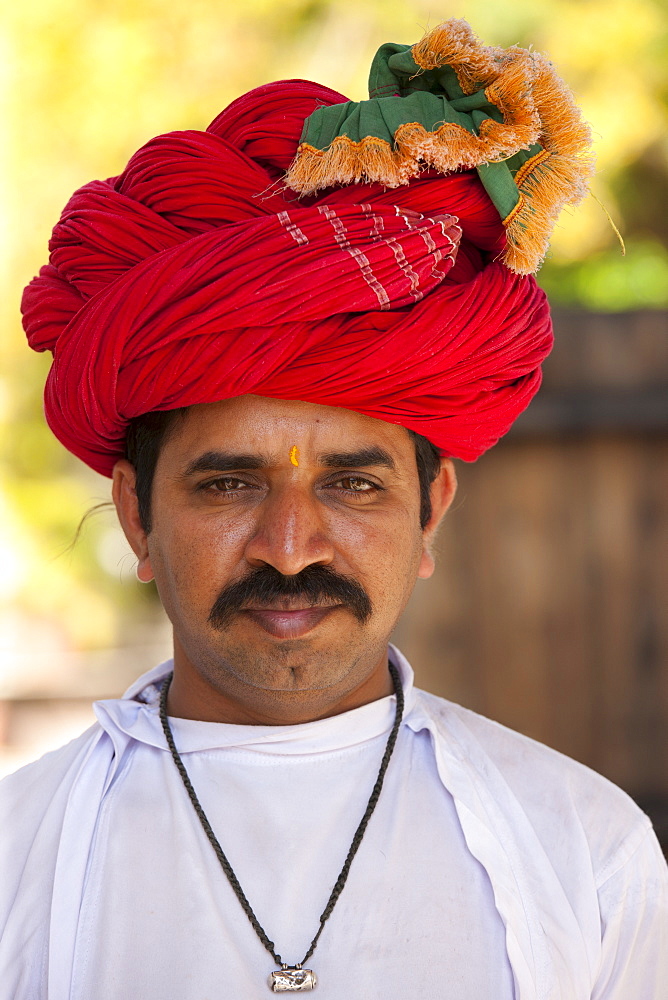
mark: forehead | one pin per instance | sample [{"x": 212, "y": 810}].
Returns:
[{"x": 269, "y": 426}]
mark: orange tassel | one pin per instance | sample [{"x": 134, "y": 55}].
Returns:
[{"x": 537, "y": 108}]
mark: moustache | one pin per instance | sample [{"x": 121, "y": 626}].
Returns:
[{"x": 317, "y": 585}]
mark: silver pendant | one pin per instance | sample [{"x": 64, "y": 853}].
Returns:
[{"x": 290, "y": 979}]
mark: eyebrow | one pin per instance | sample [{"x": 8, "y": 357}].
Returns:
[
  {"x": 226, "y": 461},
  {"x": 357, "y": 459}
]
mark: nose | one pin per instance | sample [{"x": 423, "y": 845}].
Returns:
[{"x": 290, "y": 533}]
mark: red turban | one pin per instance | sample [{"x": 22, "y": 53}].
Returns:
[{"x": 196, "y": 276}]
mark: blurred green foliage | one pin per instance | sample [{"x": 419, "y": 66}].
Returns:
[{"x": 88, "y": 81}]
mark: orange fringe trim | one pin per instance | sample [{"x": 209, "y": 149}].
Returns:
[
  {"x": 345, "y": 162},
  {"x": 511, "y": 215},
  {"x": 537, "y": 107},
  {"x": 557, "y": 179},
  {"x": 524, "y": 172},
  {"x": 555, "y": 182}
]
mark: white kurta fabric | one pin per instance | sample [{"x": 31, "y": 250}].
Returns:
[{"x": 493, "y": 867}]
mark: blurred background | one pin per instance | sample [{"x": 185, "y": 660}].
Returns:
[{"x": 548, "y": 611}]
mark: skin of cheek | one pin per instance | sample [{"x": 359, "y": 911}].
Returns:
[{"x": 195, "y": 555}]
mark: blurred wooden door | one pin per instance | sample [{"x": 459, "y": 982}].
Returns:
[{"x": 549, "y": 607}]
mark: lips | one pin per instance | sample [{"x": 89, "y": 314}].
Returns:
[{"x": 289, "y": 624}]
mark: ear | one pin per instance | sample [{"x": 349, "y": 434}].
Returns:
[
  {"x": 442, "y": 493},
  {"x": 124, "y": 496}
]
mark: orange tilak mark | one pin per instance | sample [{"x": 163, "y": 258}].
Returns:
[{"x": 294, "y": 455}]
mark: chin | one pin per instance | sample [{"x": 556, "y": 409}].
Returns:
[{"x": 295, "y": 665}]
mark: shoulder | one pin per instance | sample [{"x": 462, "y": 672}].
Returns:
[
  {"x": 37, "y": 788},
  {"x": 569, "y": 834},
  {"x": 53, "y": 764},
  {"x": 568, "y": 804},
  {"x": 33, "y": 804}
]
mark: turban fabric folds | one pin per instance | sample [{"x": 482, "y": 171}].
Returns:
[{"x": 197, "y": 275}]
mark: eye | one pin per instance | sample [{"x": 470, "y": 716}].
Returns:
[
  {"x": 356, "y": 485},
  {"x": 225, "y": 485}
]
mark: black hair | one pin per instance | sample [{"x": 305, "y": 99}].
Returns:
[
  {"x": 428, "y": 466},
  {"x": 149, "y": 432}
]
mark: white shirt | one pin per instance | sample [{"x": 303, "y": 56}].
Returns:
[{"x": 492, "y": 867}]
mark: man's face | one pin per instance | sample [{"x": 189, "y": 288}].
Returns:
[{"x": 285, "y": 543}]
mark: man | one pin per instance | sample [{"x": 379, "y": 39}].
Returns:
[{"x": 277, "y": 387}]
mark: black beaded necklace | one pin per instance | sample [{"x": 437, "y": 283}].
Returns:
[{"x": 288, "y": 978}]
